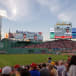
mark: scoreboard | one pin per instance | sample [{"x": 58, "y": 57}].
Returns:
[{"x": 63, "y": 31}]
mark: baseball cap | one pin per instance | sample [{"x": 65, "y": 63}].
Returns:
[
  {"x": 17, "y": 66},
  {"x": 52, "y": 63},
  {"x": 33, "y": 65}
]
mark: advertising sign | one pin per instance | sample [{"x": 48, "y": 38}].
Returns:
[
  {"x": 6, "y": 35},
  {"x": 52, "y": 35},
  {"x": 24, "y": 36},
  {"x": 73, "y": 33},
  {"x": 18, "y": 36},
  {"x": 63, "y": 31},
  {"x": 35, "y": 37}
]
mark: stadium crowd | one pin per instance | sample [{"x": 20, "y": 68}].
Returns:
[
  {"x": 61, "y": 45},
  {"x": 58, "y": 68}
]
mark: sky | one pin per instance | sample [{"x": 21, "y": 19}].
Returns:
[{"x": 36, "y": 15}]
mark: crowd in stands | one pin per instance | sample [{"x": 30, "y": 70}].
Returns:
[
  {"x": 64, "y": 45},
  {"x": 58, "y": 68}
]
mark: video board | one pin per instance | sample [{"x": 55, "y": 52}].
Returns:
[
  {"x": 63, "y": 31},
  {"x": 52, "y": 35},
  {"x": 73, "y": 33}
]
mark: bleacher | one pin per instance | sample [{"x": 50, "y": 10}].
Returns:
[{"x": 63, "y": 45}]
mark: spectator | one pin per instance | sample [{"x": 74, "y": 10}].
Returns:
[
  {"x": 69, "y": 58},
  {"x": 49, "y": 59},
  {"x": 13, "y": 73},
  {"x": 0, "y": 72},
  {"x": 17, "y": 69},
  {"x": 52, "y": 70},
  {"x": 34, "y": 71},
  {"x": 60, "y": 68},
  {"x": 53, "y": 63},
  {"x": 44, "y": 71},
  {"x": 27, "y": 67},
  {"x": 6, "y": 71},
  {"x": 65, "y": 72},
  {"x": 24, "y": 72},
  {"x": 39, "y": 67},
  {"x": 56, "y": 64},
  {"x": 72, "y": 66}
]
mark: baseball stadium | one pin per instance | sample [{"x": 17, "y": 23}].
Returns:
[
  {"x": 27, "y": 45},
  {"x": 37, "y": 38}
]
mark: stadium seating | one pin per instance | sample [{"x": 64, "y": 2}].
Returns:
[{"x": 63, "y": 45}]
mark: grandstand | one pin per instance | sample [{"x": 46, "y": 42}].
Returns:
[
  {"x": 57, "y": 45},
  {"x": 22, "y": 47},
  {"x": 23, "y": 42}
]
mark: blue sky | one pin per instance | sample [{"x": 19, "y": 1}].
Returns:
[{"x": 36, "y": 15}]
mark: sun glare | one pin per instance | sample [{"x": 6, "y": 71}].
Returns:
[{"x": 14, "y": 11}]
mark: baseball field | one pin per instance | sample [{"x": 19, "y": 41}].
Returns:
[{"x": 23, "y": 59}]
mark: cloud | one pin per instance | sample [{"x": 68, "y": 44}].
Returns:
[
  {"x": 23, "y": 7},
  {"x": 64, "y": 17},
  {"x": 18, "y": 9},
  {"x": 52, "y": 5},
  {"x": 62, "y": 10},
  {"x": 8, "y": 6},
  {"x": 14, "y": 9},
  {"x": 3, "y": 13}
]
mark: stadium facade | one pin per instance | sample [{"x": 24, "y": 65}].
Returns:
[
  {"x": 23, "y": 42},
  {"x": 25, "y": 36}
]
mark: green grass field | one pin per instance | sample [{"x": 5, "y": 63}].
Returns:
[{"x": 24, "y": 59}]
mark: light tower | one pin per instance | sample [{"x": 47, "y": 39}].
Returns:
[{"x": 0, "y": 25}]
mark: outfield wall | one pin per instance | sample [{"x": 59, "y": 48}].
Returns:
[
  {"x": 11, "y": 47},
  {"x": 25, "y": 50}
]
